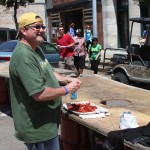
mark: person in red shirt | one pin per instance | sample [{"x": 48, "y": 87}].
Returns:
[{"x": 65, "y": 44}]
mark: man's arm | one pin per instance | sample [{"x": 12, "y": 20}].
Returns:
[
  {"x": 69, "y": 46},
  {"x": 49, "y": 94},
  {"x": 72, "y": 84},
  {"x": 70, "y": 40}
]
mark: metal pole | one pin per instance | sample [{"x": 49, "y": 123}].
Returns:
[
  {"x": 47, "y": 23},
  {"x": 47, "y": 28},
  {"x": 94, "y": 8}
]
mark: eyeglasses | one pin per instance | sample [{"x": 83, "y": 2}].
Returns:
[
  {"x": 37, "y": 27},
  {"x": 61, "y": 29}
]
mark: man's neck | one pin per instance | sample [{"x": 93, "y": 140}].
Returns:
[
  {"x": 27, "y": 43},
  {"x": 62, "y": 35}
]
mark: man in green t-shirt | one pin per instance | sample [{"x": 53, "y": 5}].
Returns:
[{"x": 34, "y": 88}]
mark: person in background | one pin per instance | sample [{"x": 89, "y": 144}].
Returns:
[
  {"x": 144, "y": 36},
  {"x": 72, "y": 30},
  {"x": 79, "y": 52},
  {"x": 35, "y": 93},
  {"x": 65, "y": 44},
  {"x": 94, "y": 51},
  {"x": 88, "y": 36},
  {"x": 145, "y": 32}
]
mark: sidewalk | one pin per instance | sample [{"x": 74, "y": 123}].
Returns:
[{"x": 7, "y": 140}]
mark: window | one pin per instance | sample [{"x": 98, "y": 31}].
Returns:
[
  {"x": 12, "y": 34},
  {"x": 3, "y": 36},
  {"x": 8, "y": 46},
  {"x": 48, "y": 48}
]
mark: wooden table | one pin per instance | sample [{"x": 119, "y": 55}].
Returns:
[
  {"x": 109, "y": 123},
  {"x": 96, "y": 88}
]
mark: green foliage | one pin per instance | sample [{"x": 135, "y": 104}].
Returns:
[
  {"x": 145, "y": 2},
  {"x": 13, "y": 3}
]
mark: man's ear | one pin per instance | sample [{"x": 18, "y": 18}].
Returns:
[{"x": 23, "y": 31}]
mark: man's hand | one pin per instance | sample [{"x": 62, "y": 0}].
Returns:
[
  {"x": 61, "y": 47},
  {"x": 63, "y": 80},
  {"x": 73, "y": 86},
  {"x": 73, "y": 79}
]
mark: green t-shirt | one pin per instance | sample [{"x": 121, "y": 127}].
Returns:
[
  {"x": 30, "y": 73},
  {"x": 94, "y": 51}
]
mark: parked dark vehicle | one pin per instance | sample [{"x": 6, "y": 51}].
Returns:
[
  {"x": 7, "y": 34},
  {"x": 135, "y": 67},
  {"x": 50, "y": 51}
]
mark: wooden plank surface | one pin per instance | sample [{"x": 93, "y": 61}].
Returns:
[{"x": 97, "y": 88}]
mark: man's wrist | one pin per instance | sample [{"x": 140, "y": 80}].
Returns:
[{"x": 66, "y": 90}]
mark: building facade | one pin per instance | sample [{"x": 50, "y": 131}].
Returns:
[
  {"x": 116, "y": 25},
  {"x": 64, "y": 12},
  {"x": 113, "y": 24},
  {"x": 112, "y": 17}
]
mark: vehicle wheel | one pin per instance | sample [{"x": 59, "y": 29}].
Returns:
[{"x": 120, "y": 77}]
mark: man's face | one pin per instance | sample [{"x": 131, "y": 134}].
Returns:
[
  {"x": 61, "y": 31},
  {"x": 35, "y": 32}
]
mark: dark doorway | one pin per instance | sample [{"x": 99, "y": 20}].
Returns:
[
  {"x": 75, "y": 16},
  {"x": 144, "y": 13},
  {"x": 123, "y": 23}
]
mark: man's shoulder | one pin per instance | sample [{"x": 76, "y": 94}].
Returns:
[
  {"x": 67, "y": 35},
  {"x": 64, "y": 36}
]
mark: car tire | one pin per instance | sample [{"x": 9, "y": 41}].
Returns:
[{"x": 120, "y": 77}]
